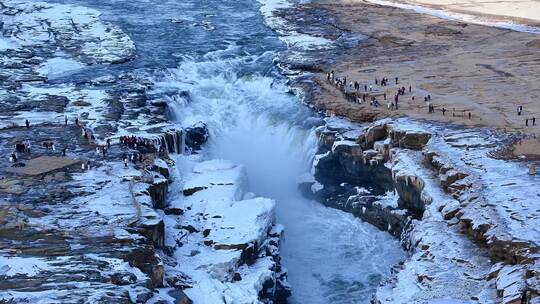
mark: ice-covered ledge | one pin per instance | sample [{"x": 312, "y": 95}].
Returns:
[{"x": 225, "y": 239}]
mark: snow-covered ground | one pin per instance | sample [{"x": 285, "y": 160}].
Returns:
[
  {"x": 226, "y": 240},
  {"x": 75, "y": 29}
]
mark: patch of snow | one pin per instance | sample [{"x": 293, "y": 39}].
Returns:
[
  {"x": 59, "y": 66},
  {"x": 12, "y": 265}
]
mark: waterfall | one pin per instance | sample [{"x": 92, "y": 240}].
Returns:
[{"x": 254, "y": 120}]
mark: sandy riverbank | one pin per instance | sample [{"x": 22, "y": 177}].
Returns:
[
  {"x": 525, "y": 12},
  {"x": 470, "y": 68}
]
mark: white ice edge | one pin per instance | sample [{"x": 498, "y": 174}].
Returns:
[
  {"x": 474, "y": 19},
  {"x": 290, "y": 37}
]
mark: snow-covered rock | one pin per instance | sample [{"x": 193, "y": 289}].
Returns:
[
  {"x": 448, "y": 195},
  {"x": 226, "y": 240}
]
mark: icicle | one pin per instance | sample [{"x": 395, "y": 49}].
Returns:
[
  {"x": 175, "y": 141},
  {"x": 166, "y": 144},
  {"x": 183, "y": 142}
]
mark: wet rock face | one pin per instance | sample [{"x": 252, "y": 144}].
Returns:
[
  {"x": 158, "y": 192},
  {"x": 196, "y": 136},
  {"x": 409, "y": 189},
  {"x": 409, "y": 139},
  {"x": 149, "y": 263},
  {"x": 351, "y": 175},
  {"x": 341, "y": 158}
]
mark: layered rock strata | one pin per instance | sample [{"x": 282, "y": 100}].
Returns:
[{"x": 437, "y": 190}]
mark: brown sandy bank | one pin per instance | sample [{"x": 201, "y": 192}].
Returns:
[
  {"x": 517, "y": 11},
  {"x": 470, "y": 68}
]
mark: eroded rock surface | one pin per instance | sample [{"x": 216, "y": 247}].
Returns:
[{"x": 445, "y": 199}]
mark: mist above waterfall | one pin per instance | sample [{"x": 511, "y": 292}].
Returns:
[{"x": 254, "y": 120}]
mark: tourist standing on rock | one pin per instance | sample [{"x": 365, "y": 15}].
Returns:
[
  {"x": 526, "y": 122},
  {"x": 108, "y": 143},
  {"x": 27, "y": 124},
  {"x": 519, "y": 109},
  {"x": 410, "y": 88},
  {"x": 534, "y": 121},
  {"x": 76, "y": 121},
  {"x": 443, "y": 111},
  {"x": 396, "y": 80},
  {"x": 64, "y": 151}
]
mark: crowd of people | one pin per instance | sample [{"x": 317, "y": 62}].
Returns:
[
  {"x": 353, "y": 92},
  {"x": 140, "y": 147},
  {"x": 146, "y": 144}
]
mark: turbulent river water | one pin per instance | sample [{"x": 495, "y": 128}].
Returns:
[{"x": 213, "y": 62}]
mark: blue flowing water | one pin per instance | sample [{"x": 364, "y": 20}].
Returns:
[{"x": 221, "y": 53}]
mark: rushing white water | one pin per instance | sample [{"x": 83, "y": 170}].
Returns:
[{"x": 331, "y": 256}]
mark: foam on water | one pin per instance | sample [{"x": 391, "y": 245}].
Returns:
[{"x": 254, "y": 121}]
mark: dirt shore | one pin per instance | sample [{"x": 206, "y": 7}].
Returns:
[
  {"x": 516, "y": 11},
  {"x": 463, "y": 67}
]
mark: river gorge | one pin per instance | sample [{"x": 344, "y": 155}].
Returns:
[{"x": 254, "y": 194}]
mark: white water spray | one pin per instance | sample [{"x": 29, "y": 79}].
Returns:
[{"x": 331, "y": 256}]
